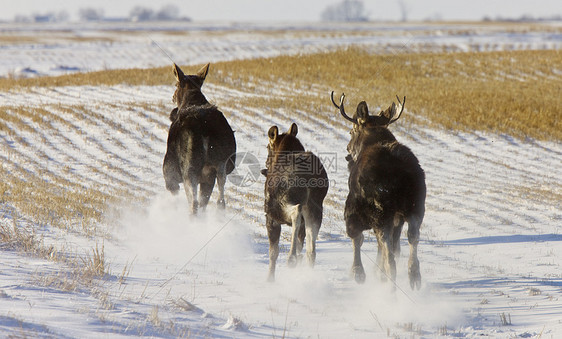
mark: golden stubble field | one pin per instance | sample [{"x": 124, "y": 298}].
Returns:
[
  {"x": 511, "y": 92},
  {"x": 515, "y": 93}
]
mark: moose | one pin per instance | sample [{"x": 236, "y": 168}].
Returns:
[
  {"x": 386, "y": 188},
  {"x": 295, "y": 187},
  {"x": 201, "y": 147}
]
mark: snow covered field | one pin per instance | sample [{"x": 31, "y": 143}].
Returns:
[
  {"x": 490, "y": 245},
  {"x": 33, "y": 50}
]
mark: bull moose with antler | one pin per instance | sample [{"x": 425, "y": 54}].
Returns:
[
  {"x": 386, "y": 188},
  {"x": 201, "y": 145}
]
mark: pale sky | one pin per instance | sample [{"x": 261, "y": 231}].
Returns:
[{"x": 292, "y": 10}]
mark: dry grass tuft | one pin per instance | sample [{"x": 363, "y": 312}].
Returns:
[
  {"x": 95, "y": 264},
  {"x": 505, "y": 319},
  {"x": 21, "y": 239},
  {"x": 153, "y": 317},
  {"x": 185, "y": 305}
]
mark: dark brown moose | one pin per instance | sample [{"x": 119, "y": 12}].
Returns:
[
  {"x": 295, "y": 187},
  {"x": 386, "y": 188},
  {"x": 201, "y": 145}
]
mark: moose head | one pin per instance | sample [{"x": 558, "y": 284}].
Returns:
[
  {"x": 276, "y": 139},
  {"x": 188, "y": 87},
  {"x": 281, "y": 143},
  {"x": 369, "y": 128}
]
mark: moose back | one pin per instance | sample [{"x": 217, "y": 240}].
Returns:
[{"x": 201, "y": 147}]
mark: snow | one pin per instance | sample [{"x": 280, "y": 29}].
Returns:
[{"x": 489, "y": 249}]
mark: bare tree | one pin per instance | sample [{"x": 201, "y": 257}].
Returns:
[
  {"x": 168, "y": 12},
  {"x": 139, "y": 13},
  {"x": 91, "y": 14},
  {"x": 404, "y": 10},
  {"x": 50, "y": 17},
  {"x": 347, "y": 11}
]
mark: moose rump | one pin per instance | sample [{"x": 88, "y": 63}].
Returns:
[
  {"x": 385, "y": 190},
  {"x": 295, "y": 188},
  {"x": 201, "y": 146}
]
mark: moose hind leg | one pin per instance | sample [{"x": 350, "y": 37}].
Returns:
[
  {"x": 172, "y": 174},
  {"x": 296, "y": 221},
  {"x": 380, "y": 259},
  {"x": 221, "y": 181},
  {"x": 312, "y": 226},
  {"x": 354, "y": 230},
  {"x": 413, "y": 263},
  {"x": 384, "y": 237},
  {"x": 190, "y": 186},
  {"x": 357, "y": 268},
  {"x": 273, "y": 233},
  {"x": 396, "y": 232},
  {"x": 300, "y": 242},
  {"x": 207, "y": 184}
]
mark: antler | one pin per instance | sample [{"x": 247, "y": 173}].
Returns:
[
  {"x": 341, "y": 108},
  {"x": 401, "y": 109}
]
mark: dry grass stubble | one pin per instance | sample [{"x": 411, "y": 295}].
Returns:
[
  {"x": 510, "y": 92},
  {"x": 515, "y": 92}
]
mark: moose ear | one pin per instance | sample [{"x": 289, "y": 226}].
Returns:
[
  {"x": 202, "y": 74},
  {"x": 362, "y": 112},
  {"x": 293, "y": 130},
  {"x": 273, "y": 133},
  {"x": 178, "y": 73}
]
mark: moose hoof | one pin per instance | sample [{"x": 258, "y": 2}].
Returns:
[
  {"x": 311, "y": 260},
  {"x": 271, "y": 277},
  {"x": 359, "y": 274},
  {"x": 173, "y": 188},
  {"x": 384, "y": 278},
  {"x": 221, "y": 204},
  {"x": 293, "y": 260},
  {"x": 415, "y": 278}
]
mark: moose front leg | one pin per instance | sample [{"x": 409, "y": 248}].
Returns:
[
  {"x": 354, "y": 229},
  {"x": 413, "y": 263},
  {"x": 273, "y": 233},
  {"x": 206, "y": 186},
  {"x": 357, "y": 268}
]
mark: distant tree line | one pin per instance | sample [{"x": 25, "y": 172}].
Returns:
[
  {"x": 524, "y": 18},
  {"x": 168, "y": 12},
  {"x": 138, "y": 13},
  {"x": 43, "y": 17}
]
